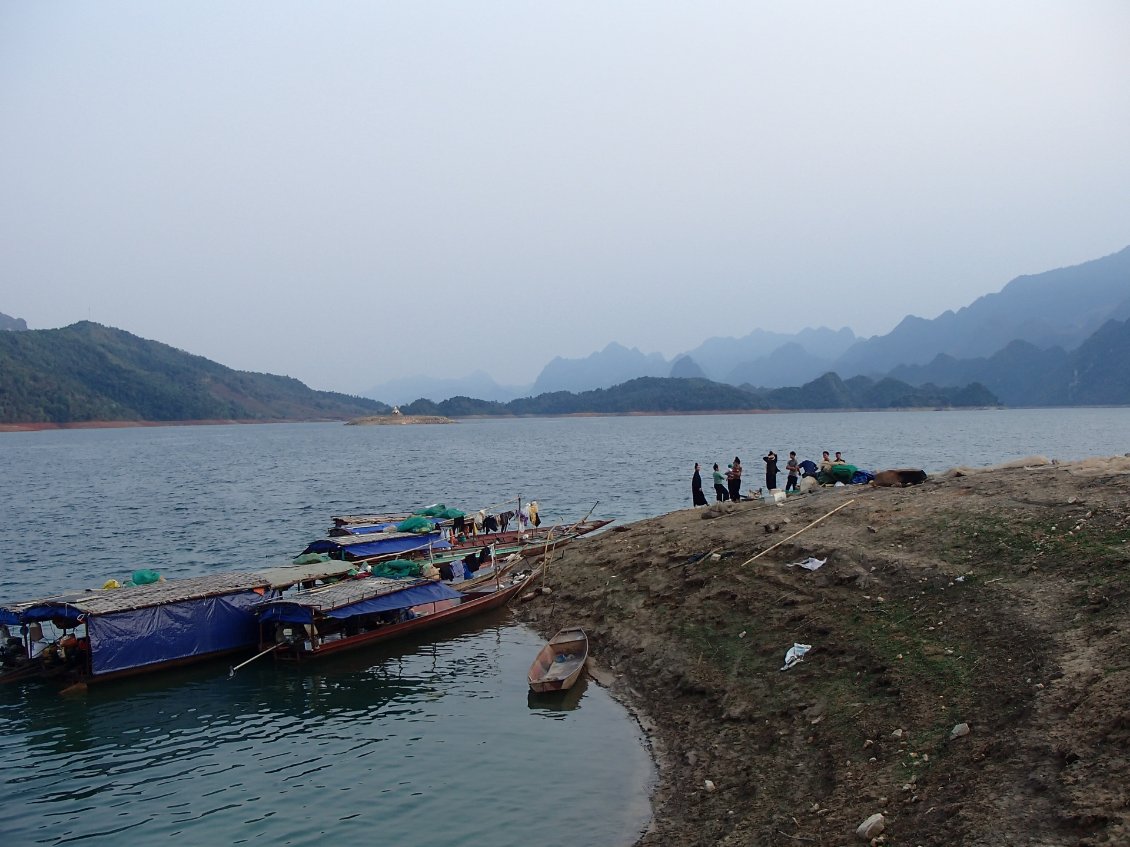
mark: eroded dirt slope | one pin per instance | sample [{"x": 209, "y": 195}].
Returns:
[{"x": 997, "y": 599}]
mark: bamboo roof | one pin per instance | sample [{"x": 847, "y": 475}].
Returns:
[
  {"x": 285, "y": 576},
  {"x": 328, "y": 597},
  {"x": 101, "y": 602}
]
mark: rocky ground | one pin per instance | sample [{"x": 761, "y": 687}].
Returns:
[{"x": 994, "y": 598}]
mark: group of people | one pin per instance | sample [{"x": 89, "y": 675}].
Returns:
[{"x": 728, "y": 484}]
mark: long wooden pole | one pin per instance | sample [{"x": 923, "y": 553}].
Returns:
[
  {"x": 799, "y": 531},
  {"x": 231, "y": 672}
]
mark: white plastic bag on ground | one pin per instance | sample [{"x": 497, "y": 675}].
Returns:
[
  {"x": 809, "y": 564},
  {"x": 795, "y": 654}
]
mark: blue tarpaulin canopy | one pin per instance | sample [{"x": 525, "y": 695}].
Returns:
[
  {"x": 376, "y": 544},
  {"x": 162, "y": 622},
  {"x": 357, "y": 598}
]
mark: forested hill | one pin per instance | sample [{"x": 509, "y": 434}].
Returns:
[
  {"x": 89, "y": 372},
  {"x": 676, "y": 395}
]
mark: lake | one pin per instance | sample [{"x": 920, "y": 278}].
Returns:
[{"x": 431, "y": 740}]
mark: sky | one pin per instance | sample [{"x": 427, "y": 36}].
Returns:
[{"x": 352, "y": 192}]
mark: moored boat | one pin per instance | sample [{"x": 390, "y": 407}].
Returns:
[
  {"x": 560, "y": 661},
  {"x": 334, "y": 619},
  {"x": 103, "y": 634}
]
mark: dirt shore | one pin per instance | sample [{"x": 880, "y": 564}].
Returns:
[{"x": 994, "y": 598}]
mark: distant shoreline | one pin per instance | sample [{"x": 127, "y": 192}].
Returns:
[
  {"x": 417, "y": 419},
  {"x": 44, "y": 426}
]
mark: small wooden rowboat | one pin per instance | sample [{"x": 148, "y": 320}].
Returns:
[{"x": 560, "y": 661}]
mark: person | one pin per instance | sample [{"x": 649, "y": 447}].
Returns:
[
  {"x": 793, "y": 470},
  {"x": 734, "y": 478},
  {"x": 771, "y": 471},
  {"x": 35, "y": 641},
  {"x": 697, "y": 497},
  {"x": 719, "y": 488},
  {"x": 839, "y": 460},
  {"x": 826, "y": 462}
]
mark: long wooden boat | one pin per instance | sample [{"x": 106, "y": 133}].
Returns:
[
  {"x": 100, "y": 635},
  {"x": 349, "y": 615},
  {"x": 560, "y": 661},
  {"x": 530, "y": 543}
]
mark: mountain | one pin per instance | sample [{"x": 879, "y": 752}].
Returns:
[
  {"x": 685, "y": 367},
  {"x": 479, "y": 384},
  {"x": 1058, "y": 308},
  {"x": 1100, "y": 368},
  {"x": 830, "y": 392},
  {"x": 720, "y": 358},
  {"x": 1020, "y": 375},
  {"x": 90, "y": 372},
  {"x": 9, "y": 323},
  {"x": 1096, "y": 373},
  {"x": 613, "y": 365},
  {"x": 789, "y": 364},
  {"x": 688, "y": 394}
]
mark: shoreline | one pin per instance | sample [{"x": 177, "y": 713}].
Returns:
[
  {"x": 990, "y": 597},
  {"x": 41, "y": 426},
  {"x": 45, "y": 426}
]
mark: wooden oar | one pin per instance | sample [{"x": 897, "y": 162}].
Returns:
[
  {"x": 232, "y": 671},
  {"x": 799, "y": 531}
]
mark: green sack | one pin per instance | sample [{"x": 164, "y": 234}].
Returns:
[
  {"x": 448, "y": 514},
  {"x": 145, "y": 577},
  {"x": 397, "y": 569},
  {"x": 431, "y": 511},
  {"x": 310, "y": 559},
  {"x": 415, "y": 524}
]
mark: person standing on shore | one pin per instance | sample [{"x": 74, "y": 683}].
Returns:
[
  {"x": 771, "y": 471},
  {"x": 735, "y": 480},
  {"x": 719, "y": 488},
  {"x": 793, "y": 470},
  {"x": 697, "y": 497}
]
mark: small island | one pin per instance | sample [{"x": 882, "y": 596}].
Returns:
[{"x": 398, "y": 418}]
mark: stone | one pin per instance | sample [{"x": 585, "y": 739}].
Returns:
[
  {"x": 872, "y": 827},
  {"x": 962, "y": 729}
]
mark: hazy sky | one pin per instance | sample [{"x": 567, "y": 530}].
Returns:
[{"x": 348, "y": 192}]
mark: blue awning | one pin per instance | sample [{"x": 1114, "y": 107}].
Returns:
[{"x": 290, "y": 611}]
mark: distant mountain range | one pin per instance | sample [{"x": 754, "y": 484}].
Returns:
[
  {"x": 1057, "y": 338},
  {"x": 90, "y": 372},
  {"x": 1010, "y": 341},
  {"x": 681, "y": 395}
]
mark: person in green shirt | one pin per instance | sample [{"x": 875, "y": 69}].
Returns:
[{"x": 720, "y": 484}]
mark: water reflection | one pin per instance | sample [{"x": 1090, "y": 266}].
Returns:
[
  {"x": 555, "y": 704},
  {"x": 280, "y": 753}
]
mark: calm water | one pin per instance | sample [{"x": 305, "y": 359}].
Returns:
[{"x": 431, "y": 741}]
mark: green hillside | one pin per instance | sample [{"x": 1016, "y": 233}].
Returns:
[
  {"x": 90, "y": 372},
  {"x": 675, "y": 395}
]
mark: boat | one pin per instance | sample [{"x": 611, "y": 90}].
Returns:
[
  {"x": 337, "y": 618},
  {"x": 356, "y": 548},
  {"x": 103, "y": 634},
  {"x": 560, "y": 661}
]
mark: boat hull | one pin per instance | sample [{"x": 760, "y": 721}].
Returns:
[
  {"x": 476, "y": 603},
  {"x": 560, "y": 662}
]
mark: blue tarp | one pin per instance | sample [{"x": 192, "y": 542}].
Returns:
[
  {"x": 165, "y": 632},
  {"x": 431, "y": 592},
  {"x": 8, "y": 617},
  {"x": 378, "y": 546}
]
